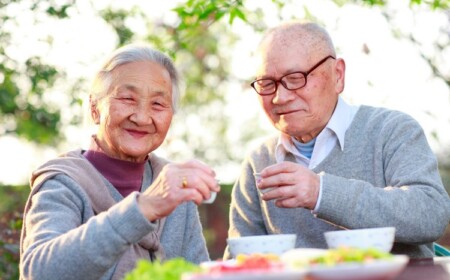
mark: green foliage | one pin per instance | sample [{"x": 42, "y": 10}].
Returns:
[
  {"x": 433, "y": 4},
  {"x": 8, "y": 91},
  {"x": 32, "y": 120},
  {"x": 13, "y": 200},
  {"x": 23, "y": 110},
  {"x": 195, "y": 13},
  {"x": 169, "y": 270},
  {"x": 199, "y": 41},
  {"x": 59, "y": 12},
  {"x": 117, "y": 21}
]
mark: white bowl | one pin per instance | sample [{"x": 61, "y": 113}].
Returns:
[
  {"x": 265, "y": 244},
  {"x": 380, "y": 238}
]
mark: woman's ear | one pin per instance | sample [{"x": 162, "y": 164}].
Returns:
[{"x": 95, "y": 114}]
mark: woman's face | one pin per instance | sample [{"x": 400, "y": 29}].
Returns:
[{"x": 136, "y": 114}]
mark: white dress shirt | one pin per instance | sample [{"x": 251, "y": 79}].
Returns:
[{"x": 333, "y": 134}]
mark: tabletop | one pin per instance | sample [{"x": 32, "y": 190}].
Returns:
[{"x": 437, "y": 268}]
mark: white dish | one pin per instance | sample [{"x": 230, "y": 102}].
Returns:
[
  {"x": 380, "y": 269},
  {"x": 246, "y": 275}
]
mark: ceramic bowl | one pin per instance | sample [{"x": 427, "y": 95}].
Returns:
[
  {"x": 264, "y": 244},
  {"x": 380, "y": 238}
]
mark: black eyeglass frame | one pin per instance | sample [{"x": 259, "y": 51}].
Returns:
[{"x": 280, "y": 80}]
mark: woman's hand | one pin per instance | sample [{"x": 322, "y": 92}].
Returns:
[
  {"x": 177, "y": 183},
  {"x": 293, "y": 185}
]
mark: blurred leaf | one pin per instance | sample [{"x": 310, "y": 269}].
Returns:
[
  {"x": 59, "y": 12},
  {"x": 117, "y": 20},
  {"x": 42, "y": 76}
]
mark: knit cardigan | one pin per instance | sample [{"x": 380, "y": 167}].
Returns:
[
  {"x": 386, "y": 175},
  {"x": 66, "y": 236}
]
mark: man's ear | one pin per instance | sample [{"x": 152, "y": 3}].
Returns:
[
  {"x": 340, "y": 75},
  {"x": 95, "y": 114}
]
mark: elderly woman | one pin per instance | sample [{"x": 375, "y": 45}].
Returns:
[{"x": 93, "y": 213}]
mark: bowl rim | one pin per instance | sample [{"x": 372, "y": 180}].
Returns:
[
  {"x": 359, "y": 230},
  {"x": 263, "y": 236}
]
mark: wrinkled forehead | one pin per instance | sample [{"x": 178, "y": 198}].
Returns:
[
  {"x": 289, "y": 50},
  {"x": 280, "y": 53}
]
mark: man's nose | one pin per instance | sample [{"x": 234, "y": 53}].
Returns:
[{"x": 282, "y": 95}]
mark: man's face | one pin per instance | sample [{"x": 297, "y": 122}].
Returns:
[
  {"x": 136, "y": 114},
  {"x": 304, "y": 112}
]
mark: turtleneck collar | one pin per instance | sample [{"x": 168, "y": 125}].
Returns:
[{"x": 125, "y": 176}]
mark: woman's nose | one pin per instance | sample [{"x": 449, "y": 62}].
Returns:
[{"x": 141, "y": 115}]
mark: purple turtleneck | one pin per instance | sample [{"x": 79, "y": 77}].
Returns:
[{"x": 125, "y": 176}]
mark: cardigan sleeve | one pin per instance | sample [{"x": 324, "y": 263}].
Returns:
[
  {"x": 405, "y": 189},
  {"x": 65, "y": 240}
]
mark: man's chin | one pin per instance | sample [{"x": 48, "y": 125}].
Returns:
[{"x": 288, "y": 131}]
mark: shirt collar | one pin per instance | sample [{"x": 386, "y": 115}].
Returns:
[
  {"x": 338, "y": 124},
  {"x": 341, "y": 120}
]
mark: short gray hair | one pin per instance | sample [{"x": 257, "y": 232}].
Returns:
[
  {"x": 313, "y": 35},
  {"x": 133, "y": 53}
]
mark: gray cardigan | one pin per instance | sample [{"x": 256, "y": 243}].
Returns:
[
  {"x": 382, "y": 148},
  {"x": 65, "y": 239}
]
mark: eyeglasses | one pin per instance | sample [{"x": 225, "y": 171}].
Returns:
[{"x": 291, "y": 81}]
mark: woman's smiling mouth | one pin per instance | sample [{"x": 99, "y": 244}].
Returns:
[{"x": 137, "y": 133}]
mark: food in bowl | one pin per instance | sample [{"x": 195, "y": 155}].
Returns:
[
  {"x": 249, "y": 267},
  {"x": 308, "y": 257},
  {"x": 253, "y": 262},
  {"x": 301, "y": 257},
  {"x": 347, "y": 254},
  {"x": 379, "y": 238},
  {"x": 263, "y": 244}
]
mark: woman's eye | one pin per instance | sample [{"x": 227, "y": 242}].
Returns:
[
  {"x": 125, "y": 98},
  {"x": 158, "y": 104}
]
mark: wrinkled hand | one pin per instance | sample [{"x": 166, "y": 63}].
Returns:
[
  {"x": 294, "y": 185},
  {"x": 167, "y": 191}
]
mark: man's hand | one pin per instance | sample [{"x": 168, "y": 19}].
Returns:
[{"x": 294, "y": 185}]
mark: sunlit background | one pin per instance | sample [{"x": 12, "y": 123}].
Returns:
[{"x": 384, "y": 68}]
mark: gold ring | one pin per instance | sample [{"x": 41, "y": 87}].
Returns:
[{"x": 185, "y": 183}]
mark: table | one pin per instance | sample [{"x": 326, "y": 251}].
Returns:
[{"x": 437, "y": 268}]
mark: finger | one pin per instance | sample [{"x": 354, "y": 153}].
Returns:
[
  {"x": 203, "y": 183},
  {"x": 277, "y": 193},
  {"x": 207, "y": 178},
  {"x": 281, "y": 179},
  {"x": 285, "y": 203},
  {"x": 191, "y": 194},
  {"x": 282, "y": 167},
  {"x": 197, "y": 164}
]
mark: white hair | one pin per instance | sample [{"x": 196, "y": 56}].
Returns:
[{"x": 133, "y": 53}]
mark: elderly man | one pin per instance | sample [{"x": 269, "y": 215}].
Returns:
[{"x": 333, "y": 166}]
